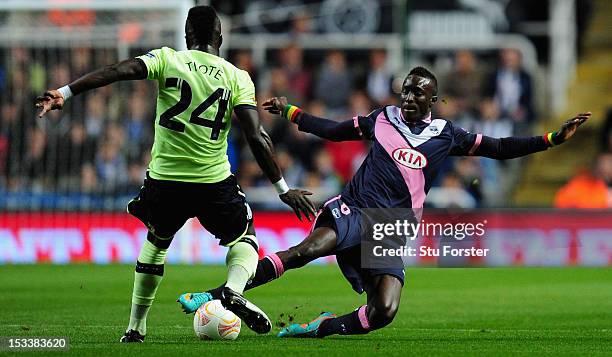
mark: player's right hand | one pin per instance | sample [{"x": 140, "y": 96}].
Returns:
[
  {"x": 51, "y": 100},
  {"x": 275, "y": 105},
  {"x": 299, "y": 202}
]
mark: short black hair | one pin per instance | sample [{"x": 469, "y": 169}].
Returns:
[
  {"x": 425, "y": 73},
  {"x": 203, "y": 21}
]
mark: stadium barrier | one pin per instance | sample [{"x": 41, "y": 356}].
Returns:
[{"x": 514, "y": 238}]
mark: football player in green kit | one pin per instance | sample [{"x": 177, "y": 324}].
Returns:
[{"x": 189, "y": 173}]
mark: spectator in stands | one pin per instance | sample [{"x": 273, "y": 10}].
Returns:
[
  {"x": 451, "y": 193},
  {"x": 89, "y": 179},
  {"x": 449, "y": 109},
  {"x": 469, "y": 170},
  {"x": 302, "y": 23},
  {"x": 292, "y": 169},
  {"x": 56, "y": 131},
  {"x": 56, "y": 127},
  {"x": 465, "y": 81},
  {"x": 110, "y": 167},
  {"x": 74, "y": 152},
  {"x": 512, "y": 87},
  {"x": 589, "y": 189},
  {"x": 360, "y": 104},
  {"x": 19, "y": 58},
  {"x": 59, "y": 74},
  {"x": 18, "y": 85},
  {"x": 323, "y": 177},
  {"x": 115, "y": 135},
  {"x": 277, "y": 81},
  {"x": 138, "y": 127},
  {"x": 491, "y": 122},
  {"x": 13, "y": 135},
  {"x": 292, "y": 68},
  {"x": 334, "y": 84},
  {"x": 34, "y": 163},
  {"x": 95, "y": 115},
  {"x": 495, "y": 176},
  {"x": 379, "y": 79},
  {"x": 244, "y": 60},
  {"x": 82, "y": 61}
]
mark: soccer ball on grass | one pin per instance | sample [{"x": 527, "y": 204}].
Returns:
[{"x": 213, "y": 322}]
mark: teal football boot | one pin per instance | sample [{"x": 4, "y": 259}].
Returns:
[
  {"x": 308, "y": 330},
  {"x": 191, "y": 302}
]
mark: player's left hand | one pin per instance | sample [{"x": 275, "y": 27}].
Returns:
[
  {"x": 51, "y": 100},
  {"x": 299, "y": 202},
  {"x": 570, "y": 126}
]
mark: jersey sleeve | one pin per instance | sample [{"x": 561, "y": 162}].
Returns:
[
  {"x": 245, "y": 90},
  {"x": 155, "y": 61},
  {"x": 365, "y": 124},
  {"x": 464, "y": 143}
]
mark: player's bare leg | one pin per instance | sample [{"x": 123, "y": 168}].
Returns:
[
  {"x": 321, "y": 242},
  {"x": 384, "y": 292}
]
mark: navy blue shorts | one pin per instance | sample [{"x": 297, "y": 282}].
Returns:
[{"x": 345, "y": 220}]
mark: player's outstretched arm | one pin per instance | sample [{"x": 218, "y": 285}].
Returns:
[
  {"x": 54, "y": 99},
  {"x": 513, "y": 147},
  {"x": 263, "y": 150},
  {"x": 323, "y": 128}
]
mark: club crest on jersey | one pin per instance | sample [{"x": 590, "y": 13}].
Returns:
[{"x": 409, "y": 158}]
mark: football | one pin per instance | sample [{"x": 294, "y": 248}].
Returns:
[{"x": 213, "y": 322}]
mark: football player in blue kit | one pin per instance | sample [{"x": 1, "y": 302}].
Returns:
[{"x": 408, "y": 147}]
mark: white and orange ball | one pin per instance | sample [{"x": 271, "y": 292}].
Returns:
[{"x": 213, "y": 322}]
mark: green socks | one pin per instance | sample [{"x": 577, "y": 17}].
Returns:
[
  {"x": 148, "y": 276},
  {"x": 241, "y": 263}
]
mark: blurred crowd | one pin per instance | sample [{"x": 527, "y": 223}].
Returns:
[{"x": 101, "y": 142}]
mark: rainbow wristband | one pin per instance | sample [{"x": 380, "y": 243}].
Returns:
[
  {"x": 291, "y": 112},
  {"x": 550, "y": 138}
]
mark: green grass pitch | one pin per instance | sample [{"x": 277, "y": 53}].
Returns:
[{"x": 443, "y": 311}]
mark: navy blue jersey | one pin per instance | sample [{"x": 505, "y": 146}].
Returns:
[{"x": 404, "y": 159}]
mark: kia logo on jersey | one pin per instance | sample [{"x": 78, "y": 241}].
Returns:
[{"x": 410, "y": 158}]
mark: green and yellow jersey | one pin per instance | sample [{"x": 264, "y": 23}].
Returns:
[{"x": 197, "y": 93}]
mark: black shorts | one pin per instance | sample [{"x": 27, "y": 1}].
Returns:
[{"x": 221, "y": 207}]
